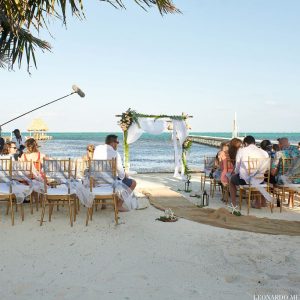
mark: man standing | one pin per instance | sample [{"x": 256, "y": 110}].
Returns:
[
  {"x": 109, "y": 151},
  {"x": 241, "y": 177},
  {"x": 19, "y": 141}
]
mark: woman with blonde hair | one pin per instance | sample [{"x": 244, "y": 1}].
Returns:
[
  {"x": 89, "y": 152},
  {"x": 83, "y": 162}
]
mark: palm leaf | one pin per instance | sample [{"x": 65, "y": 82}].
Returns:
[{"x": 17, "y": 17}]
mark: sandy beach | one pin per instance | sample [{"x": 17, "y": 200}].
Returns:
[{"x": 143, "y": 258}]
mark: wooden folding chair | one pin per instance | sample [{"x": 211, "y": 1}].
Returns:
[
  {"x": 209, "y": 164},
  {"x": 102, "y": 191},
  {"x": 80, "y": 171},
  {"x": 22, "y": 172},
  {"x": 6, "y": 186},
  {"x": 281, "y": 189},
  {"x": 57, "y": 187},
  {"x": 261, "y": 174},
  {"x": 229, "y": 170}
]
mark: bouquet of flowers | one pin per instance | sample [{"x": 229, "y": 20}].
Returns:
[
  {"x": 127, "y": 119},
  {"x": 168, "y": 216}
]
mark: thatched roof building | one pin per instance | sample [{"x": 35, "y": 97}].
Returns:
[
  {"x": 37, "y": 125},
  {"x": 37, "y": 130}
]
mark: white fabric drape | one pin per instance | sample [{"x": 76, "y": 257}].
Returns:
[
  {"x": 255, "y": 179},
  {"x": 148, "y": 125},
  {"x": 134, "y": 133},
  {"x": 153, "y": 126},
  {"x": 180, "y": 132},
  {"x": 157, "y": 126}
]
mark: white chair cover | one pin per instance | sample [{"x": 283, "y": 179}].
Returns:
[
  {"x": 20, "y": 190},
  {"x": 255, "y": 178},
  {"x": 121, "y": 189}
]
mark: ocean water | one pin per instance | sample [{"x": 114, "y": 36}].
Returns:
[{"x": 151, "y": 153}]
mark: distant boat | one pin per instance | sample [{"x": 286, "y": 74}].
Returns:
[{"x": 37, "y": 130}]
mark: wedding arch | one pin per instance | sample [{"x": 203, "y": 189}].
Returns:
[{"x": 134, "y": 124}]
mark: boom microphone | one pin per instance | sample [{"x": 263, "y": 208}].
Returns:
[{"x": 77, "y": 90}]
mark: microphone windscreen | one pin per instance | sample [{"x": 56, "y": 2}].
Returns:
[{"x": 77, "y": 90}]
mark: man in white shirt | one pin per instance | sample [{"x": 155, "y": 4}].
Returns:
[
  {"x": 109, "y": 151},
  {"x": 241, "y": 176}
]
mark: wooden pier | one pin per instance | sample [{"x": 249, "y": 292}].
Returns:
[{"x": 211, "y": 141}]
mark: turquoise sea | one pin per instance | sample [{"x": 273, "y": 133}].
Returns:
[{"x": 151, "y": 153}]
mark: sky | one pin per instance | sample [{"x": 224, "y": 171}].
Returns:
[{"x": 216, "y": 58}]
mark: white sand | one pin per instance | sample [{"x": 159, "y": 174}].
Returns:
[{"x": 142, "y": 258}]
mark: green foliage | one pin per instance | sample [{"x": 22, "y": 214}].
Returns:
[
  {"x": 18, "y": 17},
  {"x": 186, "y": 147},
  {"x": 166, "y": 219},
  {"x": 237, "y": 213}
]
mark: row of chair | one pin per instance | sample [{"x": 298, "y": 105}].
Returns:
[
  {"x": 278, "y": 191},
  {"x": 53, "y": 185}
]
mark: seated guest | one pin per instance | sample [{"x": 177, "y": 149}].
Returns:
[
  {"x": 275, "y": 148},
  {"x": 224, "y": 164},
  {"x": 216, "y": 171},
  {"x": 84, "y": 161},
  {"x": 33, "y": 154},
  {"x": 109, "y": 151},
  {"x": 241, "y": 177},
  {"x": 2, "y": 142},
  {"x": 9, "y": 151},
  {"x": 286, "y": 151},
  {"x": 233, "y": 147},
  {"x": 267, "y": 146},
  {"x": 299, "y": 146},
  {"x": 89, "y": 152}
]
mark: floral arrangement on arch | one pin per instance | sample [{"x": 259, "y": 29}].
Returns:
[
  {"x": 127, "y": 118},
  {"x": 130, "y": 116}
]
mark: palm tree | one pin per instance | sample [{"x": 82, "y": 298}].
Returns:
[{"x": 21, "y": 19}]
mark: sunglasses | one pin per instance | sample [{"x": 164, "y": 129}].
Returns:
[
  {"x": 13, "y": 147},
  {"x": 117, "y": 142}
]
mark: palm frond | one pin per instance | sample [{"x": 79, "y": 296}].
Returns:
[
  {"x": 17, "y": 17},
  {"x": 164, "y": 6},
  {"x": 13, "y": 46}
]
